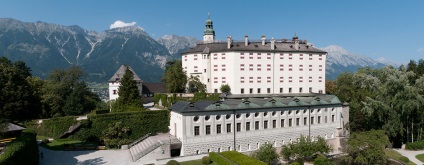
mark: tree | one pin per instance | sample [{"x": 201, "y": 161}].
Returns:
[
  {"x": 18, "y": 101},
  {"x": 322, "y": 160},
  {"x": 367, "y": 147},
  {"x": 116, "y": 135},
  {"x": 175, "y": 78},
  {"x": 266, "y": 153},
  {"x": 129, "y": 95},
  {"x": 305, "y": 148},
  {"x": 225, "y": 88},
  {"x": 64, "y": 93},
  {"x": 195, "y": 86},
  {"x": 330, "y": 86}
]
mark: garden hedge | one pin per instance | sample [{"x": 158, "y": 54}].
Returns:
[
  {"x": 23, "y": 150},
  {"x": 241, "y": 159},
  {"x": 415, "y": 145},
  {"x": 140, "y": 123},
  {"x": 55, "y": 127},
  {"x": 218, "y": 159}
]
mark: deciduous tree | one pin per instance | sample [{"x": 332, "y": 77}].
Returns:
[
  {"x": 266, "y": 153},
  {"x": 175, "y": 77}
]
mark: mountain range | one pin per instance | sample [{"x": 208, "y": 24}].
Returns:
[{"x": 45, "y": 46}]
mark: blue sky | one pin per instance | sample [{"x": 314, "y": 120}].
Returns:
[{"x": 375, "y": 28}]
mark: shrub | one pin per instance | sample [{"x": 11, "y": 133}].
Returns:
[
  {"x": 45, "y": 141},
  {"x": 404, "y": 159},
  {"x": 415, "y": 145},
  {"x": 55, "y": 127},
  {"x": 172, "y": 162},
  {"x": 218, "y": 159},
  {"x": 206, "y": 160},
  {"x": 322, "y": 160},
  {"x": 295, "y": 163},
  {"x": 266, "y": 153},
  {"x": 23, "y": 150},
  {"x": 98, "y": 112}
]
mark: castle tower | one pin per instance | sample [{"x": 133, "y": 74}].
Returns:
[{"x": 209, "y": 33}]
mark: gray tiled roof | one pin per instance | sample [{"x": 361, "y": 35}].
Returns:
[
  {"x": 14, "y": 127},
  {"x": 255, "y": 103},
  {"x": 252, "y": 47},
  {"x": 119, "y": 74}
]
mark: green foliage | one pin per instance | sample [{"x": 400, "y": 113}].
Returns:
[
  {"x": 205, "y": 96},
  {"x": 206, "y": 160},
  {"x": 415, "y": 145},
  {"x": 45, "y": 141},
  {"x": 129, "y": 95},
  {"x": 175, "y": 77},
  {"x": 225, "y": 88},
  {"x": 172, "y": 162},
  {"x": 218, "y": 159},
  {"x": 54, "y": 127},
  {"x": 116, "y": 135},
  {"x": 420, "y": 157},
  {"x": 103, "y": 111},
  {"x": 19, "y": 100},
  {"x": 140, "y": 123},
  {"x": 195, "y": 86},
  {"x": 240, "y": 158},
  {"x": 295, "y": 163},
  {"x": 266, "y": 153},
  {"x": 322, "y": 160},
  {"x": 23, "y": 150},
  {"x": 305, "y": 148},
  {"x": 367, "y": 147},
  {"x": 64, "y": 93}
]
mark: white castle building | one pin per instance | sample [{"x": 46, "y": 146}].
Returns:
[
  {"x": 256, "y": 67},
  {"x": 114, "y": 82}
]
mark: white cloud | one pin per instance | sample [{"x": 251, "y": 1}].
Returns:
[
  {"x": 118, "y": 24},
  {"x": 421, "y": 50}
]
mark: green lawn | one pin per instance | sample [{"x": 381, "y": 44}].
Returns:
[
  {"x": 195, "y": 162},
  {"x": 420, "y": 157},
  {"x": 396, "y": 155},
  {"x": 59, "y": 144}
]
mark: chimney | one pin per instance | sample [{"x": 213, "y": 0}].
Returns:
[
  {"x": 263, "y": 39},
  {"x": 229, "y": 42},
  {"x": 246, "y": 40},
  {"x": 272, "y": 44}
]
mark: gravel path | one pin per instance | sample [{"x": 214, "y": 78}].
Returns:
[{"x": 411, "y": 155}]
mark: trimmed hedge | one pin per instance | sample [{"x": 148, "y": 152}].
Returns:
[
  {"x": 140, "y": 123},
  {"x": 218, "y": 159},
  {"x": 240, "y": 158},
  {"x": 23, "y": 150},
  {"x": 172, "y": 162},
  {"x": 415, "y": 145},
  {"x": 103, "y": 111},
  {"x": 404, "y": 159},
  {"x": 206, "y": 160},
  {"x": 55, "y": 127}
]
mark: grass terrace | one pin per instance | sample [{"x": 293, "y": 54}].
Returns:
[{"x": 69, "y": 144}]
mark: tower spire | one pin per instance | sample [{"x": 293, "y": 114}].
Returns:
[{"x": 209, "y": 33}]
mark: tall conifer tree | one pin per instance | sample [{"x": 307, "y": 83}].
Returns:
[{"x": 129, "y": 94}]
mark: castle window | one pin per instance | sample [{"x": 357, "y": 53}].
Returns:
[
  {"x": 268, "y": 56},
  {"x": 224, "y": 80},
  {"x": 290, "y": 90},
  {"x": 250, "y": 66},
  {"x": 290, "y": 79},
  {"x": 256, "y": 125},
  {"x": 115, "y": 92},
  {"x": 266, "y": 124},
  {"x": 281, "y": 89},
  {"x": 223, "y": 67},
  {"x": 241, "y": 55},
  {"x": 195, "y": 68},
  {"x": 281, "y": 80},
  {"x": 310, "y": 56},
  {"x": 297, "y": 121},
  {"x": 208, "y": 129},
  {"x": 218, "y": 128},
  {"x": 300, "y": 90},
  {"x": 320, "y": 67},
  {"x": 250, "y": 55},
  {"x": 259, "y": 90},
  {"x": 241, "y": 66},
  {"x": 247, "y": 126},
  {"x": 259, "y": 67},
  {"x": 228, "y": 127},
  {"x": 290, "y": 56},
  {"x": 290, "y": 67},
  {"x": 215, "y": 67},
  {"x": 301, "y": 57},
  {"x": 281, "y": 67},
  {"x": 242, "y": 90},
  {"x": 281, "y": 56},
  {"x": 268, "y": 90},
  {"x": 247, "y": 115},
  {"x": 207, "y": 117},
  {"x": 196, "y": 118},
  {"x": 227, "y": 116},
  {"x": 305, "y": 121},
  {"x": 259, "y": 55},
  {"x": 196, "y": 130},
  {"x": 282, "y": 123},
  {"x": 310, "y": 79},
  {"x": 215, "y": 56},
  {"x": 312, "y": 120},
  {"x": 195, "y": 57},
  {"x": 319, "y": 120},
  {"x": 268, "y": 67},
  {"x": 223, "y": 56},
  {"x": 290, "y": 122},
  {"x": 320, "y": 57},
  {"x": 300, "y": 67},
  {"x": 215, "y": 80},
  {"x": 251, "y": 90},
  {"x": 310, "y": 88},
  {"x": 215, "y": 90},
  {"x": 250, "y": 79},
  {"x": 238, "y": 127},
  {"x": 320, "y": 79},
  {"x": 274, "y": 123},
  {"x": 218, "y": 117},
  {"x": 300, "y": 79},
  {"x": 268, "y": 79},
  {"x": 241, "y": 79},
  {"x": 259, "y": 79},
  {"x": 332, "y": 118}
]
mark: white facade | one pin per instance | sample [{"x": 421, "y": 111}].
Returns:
[
  {"x": 206, "y": 131},
  {"x": 114, "y": 82},
  {"x": 113, "y": 90},
  {"x": 258, "y": 72}
]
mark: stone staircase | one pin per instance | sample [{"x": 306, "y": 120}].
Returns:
[{"x": 149, "y": 143}]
